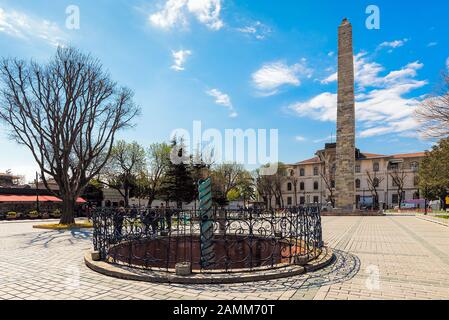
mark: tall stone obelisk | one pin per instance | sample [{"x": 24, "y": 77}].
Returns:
[{"x": 345, "y": 156}]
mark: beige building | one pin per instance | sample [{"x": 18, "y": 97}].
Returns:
[{"x": 382, "y": 176}]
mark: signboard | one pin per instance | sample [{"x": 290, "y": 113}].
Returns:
[{"x": 447, "y": 200}]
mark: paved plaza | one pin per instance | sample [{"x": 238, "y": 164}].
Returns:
[{"x": 392, "y": 257}]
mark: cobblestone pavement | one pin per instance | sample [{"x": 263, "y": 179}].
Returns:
[{"x": 393, "y": 257}]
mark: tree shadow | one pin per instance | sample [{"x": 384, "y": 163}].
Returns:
[
  {"x": 344, "y": 267},
  {"x": 46, "y": 238}
]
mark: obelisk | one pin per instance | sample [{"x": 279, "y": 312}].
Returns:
[{"x": 345, "y": 156}]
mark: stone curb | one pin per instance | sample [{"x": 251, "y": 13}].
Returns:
[
  {"x": 442, "y": 223},
  {"x": 326, "y": 258}
]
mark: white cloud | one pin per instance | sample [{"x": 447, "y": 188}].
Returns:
[
  {"x": 447, "y": 64},
  {"x": 382, "y": 109},
  {"x": 257, "y": 29},
  {"x": 300, "y": 138},
  {"x": 432, "y": 44},
  {"x": 365, "y": 72},
  {"x": 20, "y": 25},
  {"x": 323, "y": 107},
  {"x": 332, "y": 78},
  {"x": 175, "y": 12},
  {"x": 272, "y": 76},
  {"x": 179, "y": 58},
  {"x": 224, "y": 100},
  {"x": 393, "y": 44}
]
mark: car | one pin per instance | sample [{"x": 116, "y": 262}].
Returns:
[{"x": 2, "y": 216}]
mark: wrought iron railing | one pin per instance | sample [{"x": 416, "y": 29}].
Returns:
[{"x": 158, "y": 239}]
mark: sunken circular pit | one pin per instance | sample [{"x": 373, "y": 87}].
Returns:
[{"x": 182, "y": 246}]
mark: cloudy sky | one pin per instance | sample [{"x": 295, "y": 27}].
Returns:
[{"x": 246, "y": 64}]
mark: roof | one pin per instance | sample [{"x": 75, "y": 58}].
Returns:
[
  {"x": 367, "y": 155},
  {"x": 372, "y": 155},
  {"x": 308, "y": 161},
  {"x": 21, "y": 198},
  {"x": 409, "y": 155}
]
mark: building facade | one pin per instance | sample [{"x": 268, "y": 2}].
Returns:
[{"x": 384, "y": 180}]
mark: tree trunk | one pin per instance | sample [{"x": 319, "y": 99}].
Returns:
[
  {"x": 126, "y": 197},
  {"x": 68, "y": 210},
  {"x": 151, "y": 197}
]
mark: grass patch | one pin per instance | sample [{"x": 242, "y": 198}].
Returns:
[
  {"x": 443, "y": 217},
  {"x": 57, "y": 226}
]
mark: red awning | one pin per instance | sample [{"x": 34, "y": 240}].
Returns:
[{"x": 18, "y": 198}]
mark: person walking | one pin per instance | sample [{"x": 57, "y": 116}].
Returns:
[{"x": 118, "y": 218}]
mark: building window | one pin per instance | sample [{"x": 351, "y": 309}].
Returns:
[
  {"x": 289, "y": 201},
  {"x": 315, "y": 185},
  {"x": 316, "y": 199},
  {"x": 108, "y": 203},
  {"x": 376, "y": 167},
  {"x": 416, "y": 181},
  {"x": 289, "y": 186},
  {"x": 292, "y": 173},
  {"x": 357, "y": 169},
  {"x": 302, "y": 186},
  {"x": 333, "y": 169},
  {"x": 332, "y": 184},
  {"x": 414, "y": 166},
  {"x": 375, "y": 183},
  {"x": 357, "y": 183},
  {"x": 302, "y": 200},
  {"x": 393, "y": 166},
  {"x": 315, "y": 171},
  {"x": 395, "y": 199},
  {"x": 302, "y": 172}
]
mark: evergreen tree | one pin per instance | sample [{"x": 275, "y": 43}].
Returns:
[{"x": 178, "y": 184}]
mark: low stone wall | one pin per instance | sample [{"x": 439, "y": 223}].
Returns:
[
  {"x": 122, "y": 272},
  {"x": 356, "y": 213}
]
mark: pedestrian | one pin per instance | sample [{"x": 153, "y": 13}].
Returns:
[
  {"x": 168, "y": 217},
  {"x": 118, "y": 218}
]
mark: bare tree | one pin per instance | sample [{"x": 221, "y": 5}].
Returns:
[
  {"x": 158, "y": 155},
  {"x": 279, "y": 179},
  {"x": 328, "y": 175},
  {"x": 227, "y": 176},
  {"x": 398, "y": 176},
  {"x": 294, "y": 181},
  {"x": 433, "y": 113},
  {"x": 126, "y": 162},
  {"x": 67, "y": 112},
  {"x": 373, "y": 184},
  {"x": 264, "y": 187}
]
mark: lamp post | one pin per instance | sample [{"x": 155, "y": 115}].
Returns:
[{"x": 37, "y": 192}]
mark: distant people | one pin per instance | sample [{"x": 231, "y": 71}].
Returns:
[
  {"x": 168, "y": 217},
  {"x": 89, "y": 211},
  {"x": 118, "y": 218},
  {"x": 133, "y": 213}
]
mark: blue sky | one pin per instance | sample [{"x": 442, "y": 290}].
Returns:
[{"x": 246, "y": 64}]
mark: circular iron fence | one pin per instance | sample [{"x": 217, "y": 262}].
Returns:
[{"x": 239, "y": 240}]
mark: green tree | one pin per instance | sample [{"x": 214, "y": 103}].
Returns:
[
  {"x": 225, "y": 177},
  {"x": 178, "y": 184},
  {"x": 434, "y": 172}
]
